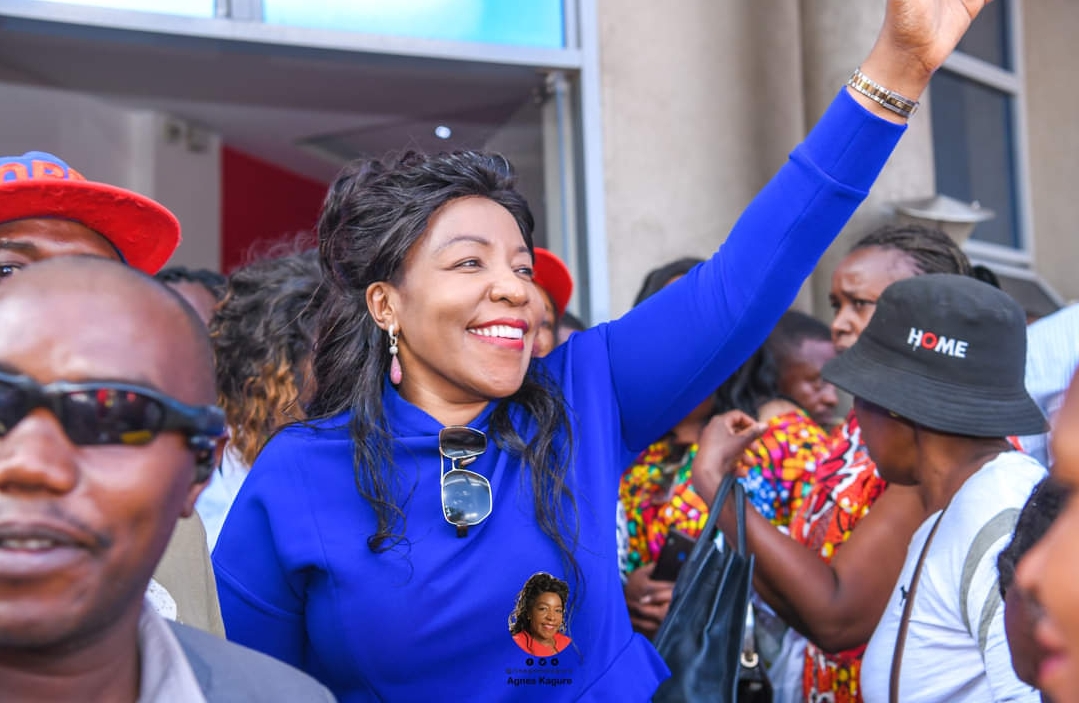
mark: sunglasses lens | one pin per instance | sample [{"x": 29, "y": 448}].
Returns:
[
  {"x": 14, "y": 405},
  {"x": 110, "y": 416},
  {"x": 461, "y": 442},
  {"x": 466, "y": 497}
]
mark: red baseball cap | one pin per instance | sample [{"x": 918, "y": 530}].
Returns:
[
  {"x": 38, "y": 184},
  {"x": 550, "y": 274}
]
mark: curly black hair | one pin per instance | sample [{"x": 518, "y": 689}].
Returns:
[
  {"x": 1037, "y": 516},
  {"x": 263, "y": 334},
  {"x": 537, "y": 584}
]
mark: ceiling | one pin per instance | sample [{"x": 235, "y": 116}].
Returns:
[{"x": 287, "y": 105}]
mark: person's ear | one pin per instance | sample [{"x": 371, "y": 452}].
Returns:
[
  {"x": 193, "y": 492},
  {"x": 381, "y": 299},
  {"x": 205, "y": 462}
]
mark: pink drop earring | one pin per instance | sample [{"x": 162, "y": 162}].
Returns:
[{"x": 395, "y": 365}]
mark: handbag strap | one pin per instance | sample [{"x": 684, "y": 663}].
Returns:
[
  {"x": 739, "y": 515},
  {"x": 729, "y": 485},
  {"x": 908, "y": 606},
  {"x": 704, "y": 540}
]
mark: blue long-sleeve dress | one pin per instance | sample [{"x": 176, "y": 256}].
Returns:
[{"x": 429, "y": 621}]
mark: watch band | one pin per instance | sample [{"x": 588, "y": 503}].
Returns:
[{"x": 889, "y": 99}]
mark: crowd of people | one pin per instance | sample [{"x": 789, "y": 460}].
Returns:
[{"x": 287, "y": 419}]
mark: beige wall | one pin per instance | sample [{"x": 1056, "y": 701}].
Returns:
[
  {"x": 1050, "y": 28},
  {"x": 108, "y": 142},
  {"x": 703, "y": 100},
  {"x": 837, "y": 37},
  {"x": 682, "y": 154},
  {"x": 91, "y": 135}
]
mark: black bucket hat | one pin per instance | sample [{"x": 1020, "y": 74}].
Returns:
[{"x": 947, "y": 352}]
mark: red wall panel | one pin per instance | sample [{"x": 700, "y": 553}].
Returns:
[{"x": 261, "y": 204}]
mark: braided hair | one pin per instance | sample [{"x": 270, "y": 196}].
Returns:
[{"x": 929, "y": 249}]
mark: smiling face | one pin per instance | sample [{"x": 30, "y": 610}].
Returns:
[
  {"x": 545, "y": 617},
  {"x": 82, "y": 527},
  {"x": 1050, "y": 570},
  {"x": 857, "y": 283},
  {"x": 465, "y": 307}
]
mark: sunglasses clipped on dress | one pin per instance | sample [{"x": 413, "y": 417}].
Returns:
[
  {"x": 466, "y": 495},
  {"x": 101, "y": 412}
]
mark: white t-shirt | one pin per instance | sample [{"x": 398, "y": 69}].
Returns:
[
  {"x": 956, "y": 650},
  {"x": 216, "y": 499}
]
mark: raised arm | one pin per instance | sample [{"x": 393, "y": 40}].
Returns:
[
  {"x": 838, "y": 605},
  {"x": 690, "y": 336}
]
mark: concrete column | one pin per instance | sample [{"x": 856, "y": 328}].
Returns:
[
  {"x": 837, "y": 35},
  {"x": 1049, "y": 28},
  {"x": 187, "y": 180},
  {"x": 701, "y": 103}
]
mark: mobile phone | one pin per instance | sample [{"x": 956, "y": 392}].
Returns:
[{"x": 672, "y": 556}]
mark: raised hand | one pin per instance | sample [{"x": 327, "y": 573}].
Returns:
[
  {"x": 915, "y": 39},
  {"x": 928, "y": 30},
  {"x": 722, "y": 442}
]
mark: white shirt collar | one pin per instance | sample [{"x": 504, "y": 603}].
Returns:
[
  {"x": 158, "y": 598},
  {"x": 165, "y": 674}
]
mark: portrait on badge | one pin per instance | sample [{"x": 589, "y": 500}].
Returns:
[{"x": 538, "y": 620}]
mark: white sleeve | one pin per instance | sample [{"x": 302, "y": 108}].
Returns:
[{"x": 983, "y": 611}]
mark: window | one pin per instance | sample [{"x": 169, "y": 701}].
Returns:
[
  {"x": 536, "y": 23},
  {"x": 978, "y": 145}
]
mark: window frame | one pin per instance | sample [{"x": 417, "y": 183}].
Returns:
[{"x": 1011, "y": 82}]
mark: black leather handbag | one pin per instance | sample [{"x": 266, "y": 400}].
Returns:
[{"x": 701, "y": 637}]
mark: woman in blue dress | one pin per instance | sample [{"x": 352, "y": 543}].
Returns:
[{"x": 380, "y": 545}]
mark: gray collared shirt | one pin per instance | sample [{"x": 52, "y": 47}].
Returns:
[{"x": 165, "y": 675}]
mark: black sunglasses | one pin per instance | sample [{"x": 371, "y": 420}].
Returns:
[
  {"x": 466, "y": 495},
  {"x": 100, "y": 412}
]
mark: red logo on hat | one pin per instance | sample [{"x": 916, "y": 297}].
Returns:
[{"x": 949, "y": 346}]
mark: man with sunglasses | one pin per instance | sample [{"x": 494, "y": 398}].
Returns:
[
  {"x": 107, "y": 434},
  {"x": 48, "y": 209}
]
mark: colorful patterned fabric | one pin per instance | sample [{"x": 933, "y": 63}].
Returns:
[
  {"x": 845, "y": 486},
  {"x": 658, "y": 497},
  {"x": 652, "y": 509},
  {"x": 779, "y": 465}
]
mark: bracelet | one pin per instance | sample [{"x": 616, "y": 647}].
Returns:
[{"x": 904, "y": 107}]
